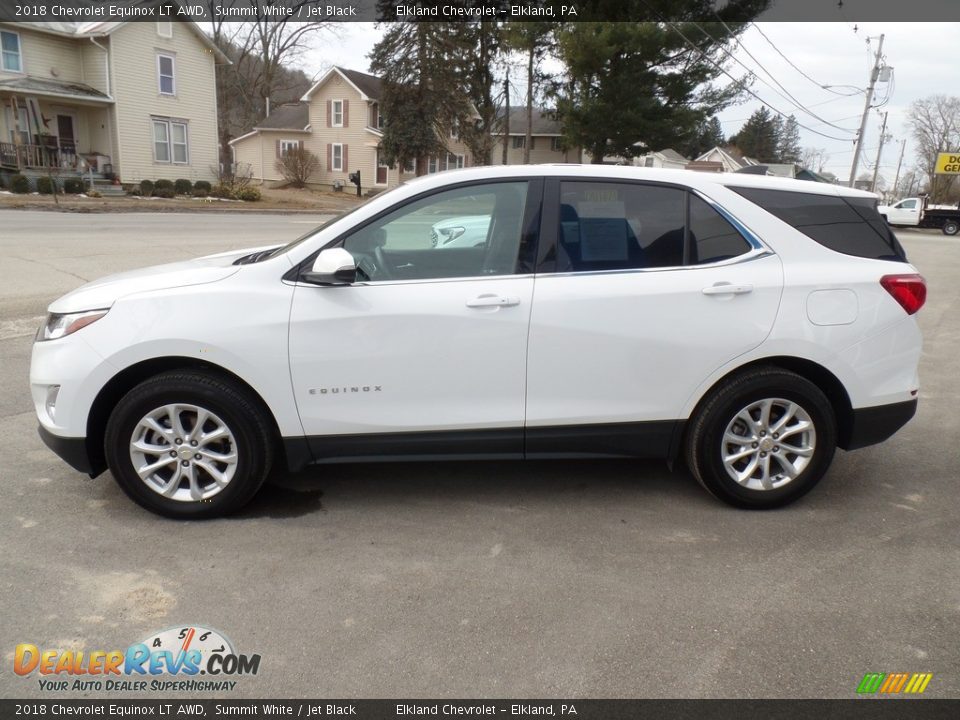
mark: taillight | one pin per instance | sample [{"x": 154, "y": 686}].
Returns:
[{"x": 908, "y": 290}]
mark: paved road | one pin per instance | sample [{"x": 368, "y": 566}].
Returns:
[{"x": 610, "y": 579}]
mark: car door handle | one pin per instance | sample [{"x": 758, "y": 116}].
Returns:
[
  {"x": 492, "y": 301},
  {"x": 726, "y": 288}
]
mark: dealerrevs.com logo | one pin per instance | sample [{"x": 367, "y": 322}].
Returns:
[{"x": 176, "y": 659}]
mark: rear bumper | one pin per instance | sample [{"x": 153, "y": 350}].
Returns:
[
  {"x": 72, "y": 450},
  {"x": 873, "y": 425}
]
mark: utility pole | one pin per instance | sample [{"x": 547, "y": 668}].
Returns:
[
  {"x": 874, "y": 74},
  {"x": 876, "y": 167},
  {"x": 903, "y": 147}
]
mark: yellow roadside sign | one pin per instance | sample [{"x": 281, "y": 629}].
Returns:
[{"x": 948, "y": 163}]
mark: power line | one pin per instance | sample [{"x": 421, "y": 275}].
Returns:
[
  {"x": 739, "y": 81},
  {"x": 794, "y": 66},
  {"x": 789, "y": 96}
]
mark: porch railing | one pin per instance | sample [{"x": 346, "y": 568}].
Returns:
[{"x": 19, "y": 156}]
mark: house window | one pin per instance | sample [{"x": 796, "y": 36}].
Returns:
[
  {"x": 410, "y": 166},
  {"x": 170, "y": 142},
  {"x": 337, "y": 163},
  {"x": 432, "y": 166},
  {"x": 288, "y": 146},
  {"x": 454, "y": 161},
  {"x": 455, "y": 130},
  {"x": 11, "y": 58},
  {"x": 166, "y": 75},
  {"x": 376, "y": 117},
  {"x": 338, "y": 113},
  {"x": 518, "y": 142},
  {"x": 556, "y": 144},
  {"x": 165, "y": 29}
]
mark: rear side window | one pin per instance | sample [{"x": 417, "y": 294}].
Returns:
[
  {"x": 620, "y": 226},
  {"x": 851, "y": 226}
]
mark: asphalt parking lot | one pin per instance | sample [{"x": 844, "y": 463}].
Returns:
[{"x": 496, "y": 579}]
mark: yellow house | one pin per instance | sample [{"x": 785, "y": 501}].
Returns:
[
  {"x": 339, "y": 120},
  {"x": 133, "y": 100}
]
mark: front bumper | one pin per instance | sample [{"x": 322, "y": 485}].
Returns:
[
  {"x": 72, "y": 450},
  {"x": 873, "y": 425}
]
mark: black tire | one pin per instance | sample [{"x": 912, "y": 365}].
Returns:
[
  {"x": 220, "y": 396},
  {"x": 705, "y": 437},
  {"x": 951, "y": 227}
]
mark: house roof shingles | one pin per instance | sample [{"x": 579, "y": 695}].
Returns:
[
  {"x": 369, "y": 85},
  {"x": 543, "y": 123},
  {"x": 292, "y": 116}
]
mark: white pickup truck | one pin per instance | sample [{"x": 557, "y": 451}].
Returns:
[{"x": 914, "y": 212}]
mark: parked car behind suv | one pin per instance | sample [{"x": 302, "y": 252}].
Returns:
[{"x": 748, "y": 325}]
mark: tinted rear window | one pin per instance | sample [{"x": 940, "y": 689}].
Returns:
[{"x": 850, "y": 226}]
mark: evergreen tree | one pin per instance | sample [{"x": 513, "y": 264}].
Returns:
[
  {"x": 532, "y": 40},
  {"x": 789, "y": 150},
  {"x": 422, "y": 93},
  {"x": 708, "y": 135},
  {"x": 635, "y": 86},
  {"x": 758, "y": 138}
]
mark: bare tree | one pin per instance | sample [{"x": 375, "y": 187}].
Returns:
[
  {"x": 935, "y": 122},
  {"x": 814, "y": 158},
  {"x": 262, "y": 49},
  {"x": 297, "y": 166}
]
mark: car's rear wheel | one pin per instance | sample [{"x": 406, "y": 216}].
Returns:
[
  {"x": 951, "y": 227},
  {"x": 187, "y": 445},
  {"x": 762, "y": 439}
]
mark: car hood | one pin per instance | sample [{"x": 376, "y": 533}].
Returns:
[{"x": 104, "y": 292}]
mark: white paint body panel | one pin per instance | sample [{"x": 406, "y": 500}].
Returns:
[{"x": 606, "y": 347}]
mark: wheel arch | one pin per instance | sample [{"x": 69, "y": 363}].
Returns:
[
  {"x": 816, "y": 373},
  {"x": 128, "y": 378}
]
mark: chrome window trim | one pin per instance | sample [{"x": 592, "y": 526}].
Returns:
[
  {"x": 421, "y": 281},
  {"x": 747, "y": 233},
  {"x": 753, "y": 254}
]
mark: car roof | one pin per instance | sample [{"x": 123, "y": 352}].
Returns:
[{"x": 691, "y": 178}]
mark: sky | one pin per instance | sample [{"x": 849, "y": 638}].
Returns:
[{"x": 923, "y": 56}]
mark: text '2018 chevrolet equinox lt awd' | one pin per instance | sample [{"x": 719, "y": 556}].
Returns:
[{"x": 748, "y": 325}]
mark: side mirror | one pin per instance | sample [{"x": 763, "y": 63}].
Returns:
[{"x": 332, "y": 267}]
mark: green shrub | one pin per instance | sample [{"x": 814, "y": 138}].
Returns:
[
  {"x": 163, "y": 185},
  {"x": 183, "y": 187},
  {"x": 164, "y": 192},
  {"x": 20, "y": 184},
  {"x": 221, "y": 191},
  {"x": 135, "y": 191},
  {"x": 202, "y": 185},
  {"x": 200, "y": 193},
  {"x": 46, "y": 186},
  {"x": 146, "y": 188},
  {"x": 249, "y": 194},
  {"x": 74, "y": 186}
]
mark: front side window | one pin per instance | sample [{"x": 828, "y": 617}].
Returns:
[
  {"x": 338, "y": 113},
  {"x": 908, "y": 204},
  {"x": 165, "y": 72},
  {"x": 620, "y": 226},
  {"x": 10, "y": 58},
  {"x": 464, "y": 232}
]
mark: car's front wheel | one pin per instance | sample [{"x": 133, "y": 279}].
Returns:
[
  {"x": 187, "y": 445},
  {"x": 762, "y": 439}
]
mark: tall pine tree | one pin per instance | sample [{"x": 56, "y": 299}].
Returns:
[
  {"x": 635, "y": 86},
  {"x": 789, "y": 148}
]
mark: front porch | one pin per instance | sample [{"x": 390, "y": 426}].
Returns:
[{"x": 52, "y": 126}]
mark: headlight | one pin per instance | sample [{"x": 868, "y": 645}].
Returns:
[{"x": 58, "y": 326}]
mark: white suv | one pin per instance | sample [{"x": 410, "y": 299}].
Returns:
[{"x": 750, "y": 325}]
